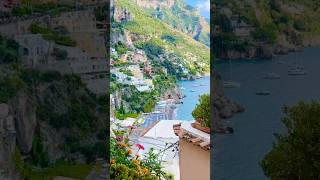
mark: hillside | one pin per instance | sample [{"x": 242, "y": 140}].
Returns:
[
  {"x": 148, "y": 56},
  {"x": 151, "y": 30},
  {"x": 180, "y": 16},
  {"x": 255, "y": 28}
]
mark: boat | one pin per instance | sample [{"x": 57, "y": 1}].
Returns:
[
  {"x": 263, "y": 93},
  {"x": 281, "y": 62},
  {"x": 192, "y": 90},
  {"x": 296, "y": 72},
  {"x": 296, "y": 67},
  {"x": 182, "y": 88},
  {"x": 231, "y": 84},
  {"x": 203, "y": 85},
  {"x": 195, "y": 85},
  {"x": 272, "y": 76}
]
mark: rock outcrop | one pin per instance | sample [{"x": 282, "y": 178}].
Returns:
[
  {"x": 123, "y": 37},
  {"x": 24, "y": 113},
  {"x": 7, "y": 143},
  {"x": 121, "y": 15},
  {"x": 223, "y": 107},
  {"x": 226, "y": 108}
]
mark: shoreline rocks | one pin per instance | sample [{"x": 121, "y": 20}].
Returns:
[{"x": 223, "y": 107}]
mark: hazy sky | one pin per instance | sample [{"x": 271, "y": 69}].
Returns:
[{"x": 203, "y": 5}]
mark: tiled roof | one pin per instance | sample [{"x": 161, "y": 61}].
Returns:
[{"x": 194, "y": 136}]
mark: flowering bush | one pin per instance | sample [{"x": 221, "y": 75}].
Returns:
[{"x": 125, "y": 164}]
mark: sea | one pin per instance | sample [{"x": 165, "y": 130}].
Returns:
[
  {"x": 192, "y": 90},
  {"x": 237, "y": 156}
]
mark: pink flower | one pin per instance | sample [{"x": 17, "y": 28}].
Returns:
[{"x": 140, "y": 146}]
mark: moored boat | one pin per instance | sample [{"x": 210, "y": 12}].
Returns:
[{"x": 263, "y": 93}]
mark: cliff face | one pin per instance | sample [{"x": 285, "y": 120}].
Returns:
[
  {"x": 155, "y": 3},
  {"x": 7, "y": 143},
  {"x": 47, "y": 119},
  {"x": 223, "y": 107},
  {"x": 264, "y": 28},
  {"x": 24, "y": 113},
  {"x": 180, "y": 16}
]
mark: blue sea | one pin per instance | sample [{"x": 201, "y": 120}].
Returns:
[
  {"x": 192, "y": 90},
  {"x": 238, "y": 156}
]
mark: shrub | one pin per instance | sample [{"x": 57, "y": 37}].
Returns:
[
  {"x": 121, "y": 48},
  {"x": 295, "y": 154},
  {"x": 53, "y": 35},
  {"x": 124, "y": 164},
  {"x": 60, "y": 54},
  {"x": 267, "y": 33},
  {"x": 202, "y": 110}
]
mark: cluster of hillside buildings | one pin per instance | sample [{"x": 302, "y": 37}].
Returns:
[
  {"x": 88, "y": 58},
  {"x": 137, "y": 64},
  {"x": 240, "y": 28}
]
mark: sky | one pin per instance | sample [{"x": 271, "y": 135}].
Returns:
[{"x": 203, "y": 5}]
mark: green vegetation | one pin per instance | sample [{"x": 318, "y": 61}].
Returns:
[
  {"x": 184, "y": 18},
  {"x": 64, "y": 104},
  {"x": 156, "y": 31},
  {"x": 121, "y": 48},
  {"x": 9, "y": 87},
  {"x": 64, "y": 169},
  {"x": 39, "y": 155},
  {"x": 163, "y": 82},
  {"x": 170, "y": 38},
  {"x": 295, "y": 154},
  {"x": 60, "y": 54},
  {"x": 126, "y": 165},
  {"x": 52, "y": 35},
  {"x": 152, "y": 49},
  {"x": 274, "y": 18},
  {"x": 126, "y": 72},
  {"x": 9, "y": 51},
  {"x": 60, "y": 168},
  {"x": 266, "y": 33},
  {"x": 148, "y": 107},
  {"x": 44, "y": 8},
  {"x": 202, "y": 110},
  {"x": 228, "y": 41}
]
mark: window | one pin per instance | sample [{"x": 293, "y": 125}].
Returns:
[{"x": 25, "y": 51}]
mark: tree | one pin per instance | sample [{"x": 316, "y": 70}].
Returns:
[
  {"x": 296, "y": 154},
  {"x": 202, "y": 110}
]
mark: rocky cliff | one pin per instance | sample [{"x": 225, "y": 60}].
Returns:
[
  {"x": 180, "y": 16},
  {"x": 266, "y": 28},
  {"x": 223, "y": 107},
  {"x": 37, "y": 129}
]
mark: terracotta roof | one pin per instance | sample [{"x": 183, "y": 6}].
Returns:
[{"x": 192, "y": 136}]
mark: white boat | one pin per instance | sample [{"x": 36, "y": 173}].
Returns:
[
  {"x": 296, "y": 72},
  {"x": 281, "y": 62},
  {"x": 263, "y": 93},
  {"x": 297, "y": 67},
  {"x": 182, "y": 88},
  {"x": 192, "y": 90},
  {"x": 272, "y": 76},
  {"x": 231, "y": 84}
]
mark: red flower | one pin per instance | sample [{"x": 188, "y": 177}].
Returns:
[{"x": 140, "y": 146}]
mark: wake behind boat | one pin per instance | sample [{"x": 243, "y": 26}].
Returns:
[{"x": 231, "y": 84}]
